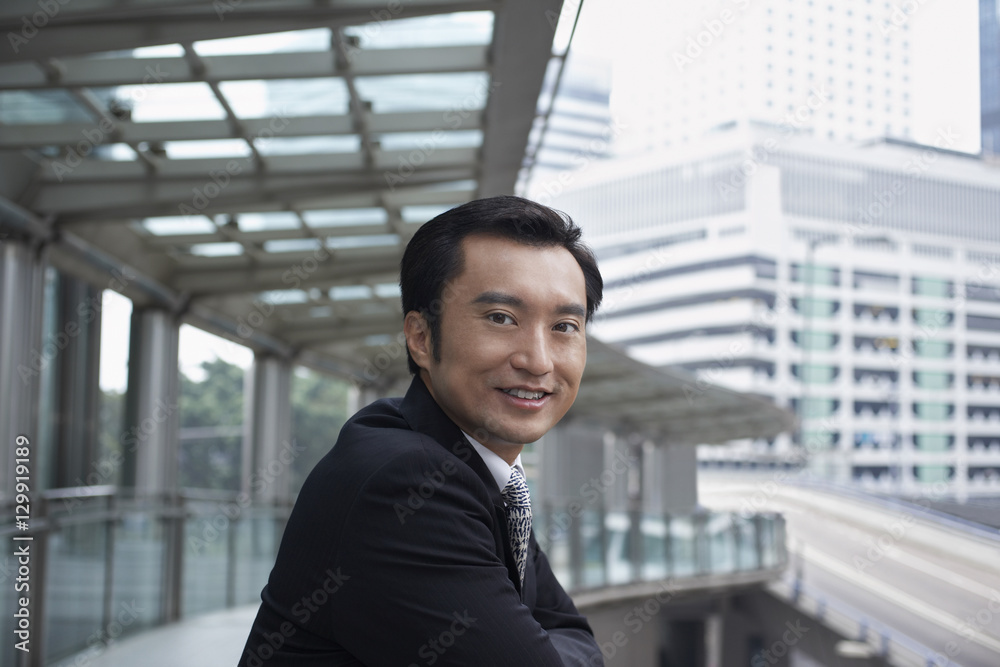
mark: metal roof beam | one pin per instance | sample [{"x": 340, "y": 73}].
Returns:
[
  {"x": 266, "y": 196},
  {"x": 522, "y": 44},
  {"x": 70, "y": 134},
  {"x": 124, "y": 26},
  {"x": 338, "y": 270},
  {"x": 128, "y": 71}
]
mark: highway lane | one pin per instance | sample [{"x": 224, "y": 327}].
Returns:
[{"x": 931, "y": 595}]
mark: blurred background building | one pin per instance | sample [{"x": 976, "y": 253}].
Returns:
[{"x": 200, "y": 229}]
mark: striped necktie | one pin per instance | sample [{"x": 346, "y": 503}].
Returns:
[{"x": 515, "y": 494}]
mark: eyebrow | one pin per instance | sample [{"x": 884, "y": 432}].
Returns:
[{"x": 504, "y": 299}]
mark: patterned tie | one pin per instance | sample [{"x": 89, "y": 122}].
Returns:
[{"x": 515, "y": 494}]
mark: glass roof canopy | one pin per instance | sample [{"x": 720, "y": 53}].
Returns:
[
  {"x": 276, "y": 152},
  {"x": 257, "y": 166}
]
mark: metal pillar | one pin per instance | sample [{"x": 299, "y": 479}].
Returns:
[
  {"x": 77, "y": 392},
  {"x": 22, "y": 283},
  {"x": 149, "y": 439},
  {"x": 267, "y": 445},
  {"x": 151, "y": 404},
  {"x": 22, "y": 290}
]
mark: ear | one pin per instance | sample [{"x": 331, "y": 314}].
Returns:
[{"x": 418, "y": 338}]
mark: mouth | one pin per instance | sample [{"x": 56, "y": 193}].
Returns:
[{"x": 528, "y": 394}]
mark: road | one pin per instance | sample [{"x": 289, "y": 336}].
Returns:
[{"x": 902, "y": 569}]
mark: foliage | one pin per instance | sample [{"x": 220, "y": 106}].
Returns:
[
  {"x": 217, "y": 401},
  {"x": 319, "y": 409}
]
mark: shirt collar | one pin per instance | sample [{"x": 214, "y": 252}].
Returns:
[{"x": 499, "y": 468}]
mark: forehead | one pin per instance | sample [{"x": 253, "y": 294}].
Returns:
[{"x": 497, "y": 263}]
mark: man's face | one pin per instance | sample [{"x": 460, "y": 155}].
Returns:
[{"x": 513, "y": 344}]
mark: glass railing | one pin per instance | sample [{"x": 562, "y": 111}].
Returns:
[
  {"x": 105, "y": 565},
  {"x": 590, "y": 549}
]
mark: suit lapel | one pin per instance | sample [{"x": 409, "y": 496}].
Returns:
[{"x": 424, "y": 415}]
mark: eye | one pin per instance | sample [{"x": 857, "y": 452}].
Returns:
[
  {"x": 500, "y": 318},
  {"x": 566, "y": 327}
]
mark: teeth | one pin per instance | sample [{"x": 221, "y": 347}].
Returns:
[{"x": 521, "y": 393}]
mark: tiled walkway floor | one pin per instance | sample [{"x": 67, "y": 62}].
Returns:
[{"x": 212, "y": 640}]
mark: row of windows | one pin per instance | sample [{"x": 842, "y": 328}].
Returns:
[
  {"x": 925, "y": 473},
  {"x": 828, "y": 374},
  {"x": 869, "y": 280},
  {"x": 893, "y": 440},
  {"x": 815, "y": 407}
]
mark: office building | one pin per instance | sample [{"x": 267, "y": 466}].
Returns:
[{"x": 859, "y": 286}]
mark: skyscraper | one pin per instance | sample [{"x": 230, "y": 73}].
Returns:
[
  {"x": 858, "y": 286},
  {"x": 837, "y": 70}
]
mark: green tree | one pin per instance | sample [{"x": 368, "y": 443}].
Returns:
[
  {"x": 213, "y": 461},
  {"x": 319, "y": 410}
]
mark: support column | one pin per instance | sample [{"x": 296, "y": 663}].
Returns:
[
  {"x": 22, "y": 295},
  {"x": 572, "y": 480},
  {"x": 149, "y": 440},
  {"x": 22, "y": 284},
  {"x": 268, "y": 448},
  {"x": 77, "y": 391},
  {"x": 151, "y": 405},
  {"x": 672, "y": 474}
]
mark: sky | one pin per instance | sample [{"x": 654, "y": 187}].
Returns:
[{"x": 946, "y": 90}]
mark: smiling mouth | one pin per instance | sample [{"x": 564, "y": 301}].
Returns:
[{"x": 523, "y": 393}]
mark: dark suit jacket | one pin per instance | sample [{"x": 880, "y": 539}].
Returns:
[{"x": 396, "y": 555}]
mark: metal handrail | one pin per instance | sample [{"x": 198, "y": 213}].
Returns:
[
  {"x": 105, "y": 508},
  {"x": 887, "y": 642}
]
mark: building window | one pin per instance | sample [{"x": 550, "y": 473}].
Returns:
[
  {"x": 932, "y": 287},
  {"x": 815, "y": 373},
  {"x": 815, "y": 340},
  {"x": 933, "y": 380},
  {"x": 933, "y": 442},
  {"x": 932, "y": 349},
  {"x": 933, "y": 411}
]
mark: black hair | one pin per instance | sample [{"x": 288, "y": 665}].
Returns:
[{"x": 434, "y": 254}]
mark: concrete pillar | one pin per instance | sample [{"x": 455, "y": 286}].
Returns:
[
  {"x": 151, "y": 404},
  {"x": 672, "y": 479},
  {"x": 22, "y": 285},
  {"x": 268, "y": 447},
  {"x": 573, "y": 482},
  {"x": 572, "y": 462}
]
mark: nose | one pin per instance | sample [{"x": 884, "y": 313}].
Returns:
[{"x": 533, "y": 354}]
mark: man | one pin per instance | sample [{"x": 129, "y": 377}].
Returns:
[{"x": 409, "y": 543}]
